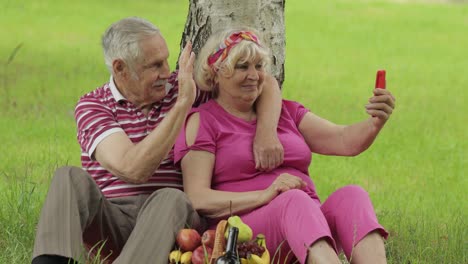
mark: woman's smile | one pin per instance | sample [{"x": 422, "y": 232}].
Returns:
[{"x": 250, "y": 86}]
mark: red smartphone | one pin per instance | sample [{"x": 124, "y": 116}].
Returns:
[{"x": 380, "y": 81}]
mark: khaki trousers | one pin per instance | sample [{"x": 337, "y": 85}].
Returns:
[{"x": 136, "y": 229}]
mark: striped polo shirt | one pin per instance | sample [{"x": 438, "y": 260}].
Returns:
[{"x": 105, "y": 111}]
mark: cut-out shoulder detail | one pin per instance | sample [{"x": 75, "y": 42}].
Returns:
[{"x": 193, "y": 124}]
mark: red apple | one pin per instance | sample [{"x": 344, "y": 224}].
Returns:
[
  {"x": 198, "y": 255},
  {"x": 188, "y": 239},
  {"x": 208, "y": 238}
]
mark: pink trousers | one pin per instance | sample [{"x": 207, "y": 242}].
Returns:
[{"x": 293, "y": 221}]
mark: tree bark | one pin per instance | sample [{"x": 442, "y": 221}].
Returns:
[{"x": 266, "y": 16}]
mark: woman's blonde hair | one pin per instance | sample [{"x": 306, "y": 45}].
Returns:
[{"x": 244, "y": 51}]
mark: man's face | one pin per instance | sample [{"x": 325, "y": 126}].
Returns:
[{"x": 150, "y": 73}]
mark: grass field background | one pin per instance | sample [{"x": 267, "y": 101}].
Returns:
[{"x": 415, "y": 172}]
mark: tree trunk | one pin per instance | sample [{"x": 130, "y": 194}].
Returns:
[{"x": 266, "y": 16}]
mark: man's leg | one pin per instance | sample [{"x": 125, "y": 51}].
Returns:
[
  {"x": 164, "y": 213},
  {"x": 75, "y": 206},
  {"x": 112, "y": 225}
]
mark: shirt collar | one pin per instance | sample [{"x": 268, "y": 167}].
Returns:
[{"x": 115, "y": 92}]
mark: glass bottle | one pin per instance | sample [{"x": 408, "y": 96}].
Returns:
[{"x": 230, "y": 257}]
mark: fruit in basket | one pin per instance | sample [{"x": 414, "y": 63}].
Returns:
[
  {"x": 186, "y": 257},
  {"x": 208, "y": 238},
  {"x": 255, "y": 247},
  {"x": 249, "y": 248},
  {"x": 174, "y": 256},
  {"x": 245, "y": 232},
  {"x": 198, "y": 255},
  {"x": 254, "y": 259},
  {"x": 188, "y": 239},
  {"x": 260, "y": 240}
]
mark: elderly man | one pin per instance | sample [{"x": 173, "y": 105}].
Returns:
[{"x": 128, "y": 198}]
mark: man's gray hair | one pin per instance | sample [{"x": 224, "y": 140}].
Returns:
[{"x": 122, "y": 40}]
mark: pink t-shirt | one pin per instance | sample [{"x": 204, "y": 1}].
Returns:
[{"x": 230, "y": 139}]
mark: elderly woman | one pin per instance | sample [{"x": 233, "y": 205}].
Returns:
[{"x": 218, "y": 167}]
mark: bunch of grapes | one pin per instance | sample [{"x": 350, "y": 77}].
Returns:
[{"x": 249, "y": 247}]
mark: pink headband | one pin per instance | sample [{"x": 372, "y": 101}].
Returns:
[{"x": 229, "y": 43}]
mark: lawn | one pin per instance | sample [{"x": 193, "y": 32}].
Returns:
[{"x": 415, "y": 172}]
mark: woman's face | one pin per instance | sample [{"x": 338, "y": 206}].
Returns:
[{"x": 244, "y": 85}]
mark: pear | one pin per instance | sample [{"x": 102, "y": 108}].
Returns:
[{"x": 245, "y": 232}]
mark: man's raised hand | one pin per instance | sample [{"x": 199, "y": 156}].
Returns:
[{"x": 187, "y": 88}]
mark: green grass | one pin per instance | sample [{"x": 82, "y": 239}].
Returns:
[{"x": 415, "y": 171}]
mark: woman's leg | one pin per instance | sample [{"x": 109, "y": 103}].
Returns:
[
  {"x": 370, "y": 249},
  {"x": 295, "y": 221},
  {"x": 351, "y": 217},
  {"x": 321, "y": 252}
]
